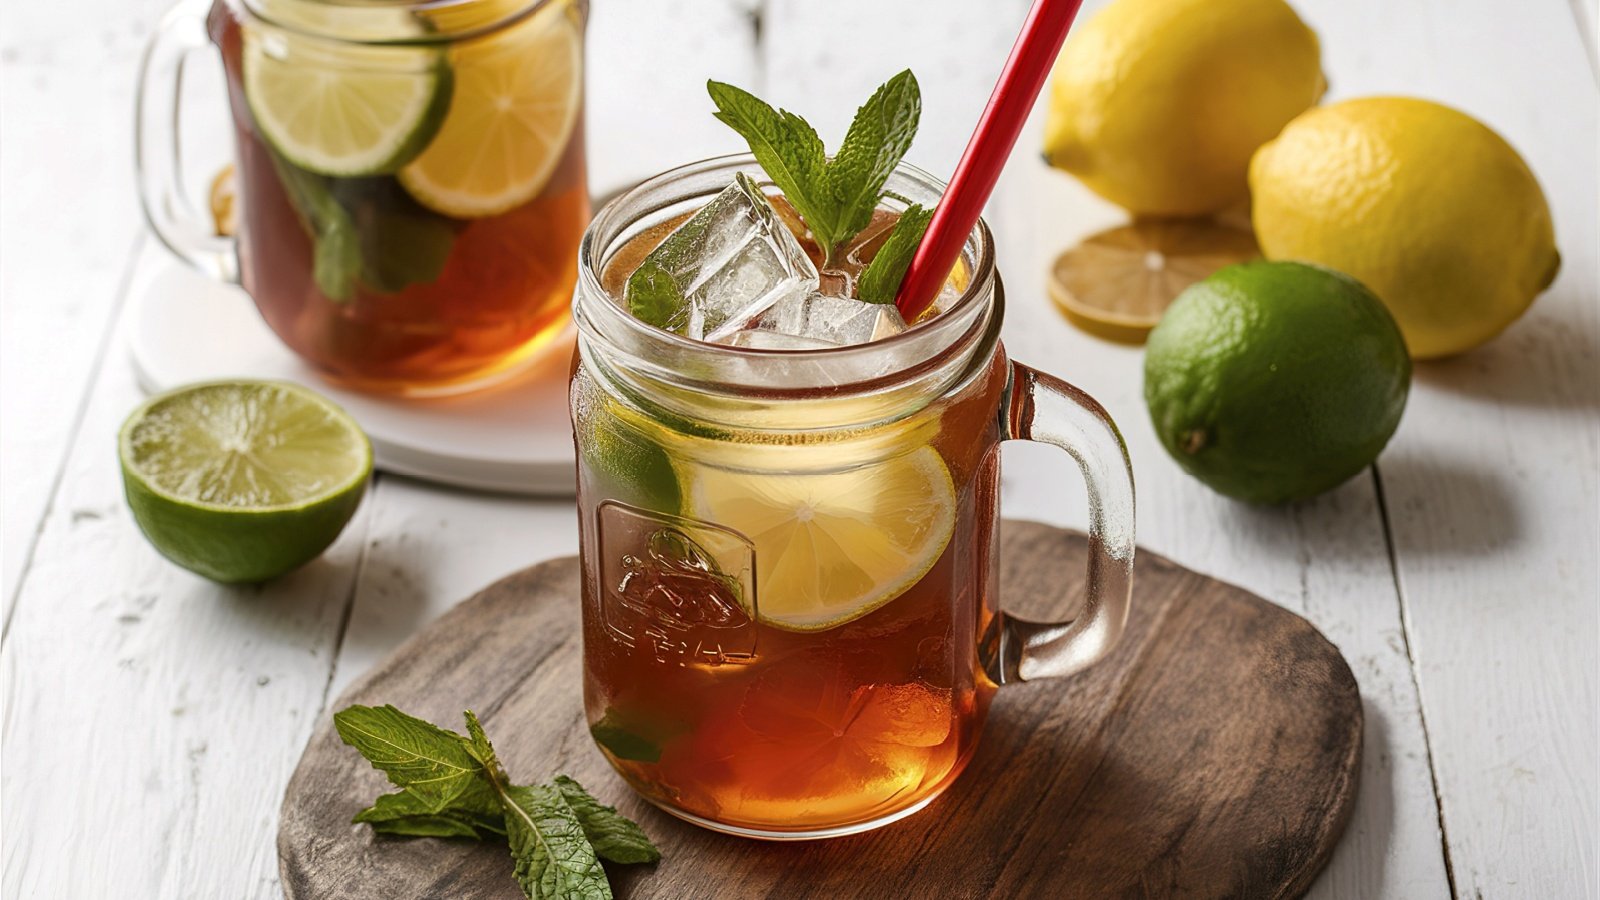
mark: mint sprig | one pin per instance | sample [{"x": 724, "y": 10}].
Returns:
[
  {"x": 835, "y": 196},
  {"x": 455, "y": 786}
]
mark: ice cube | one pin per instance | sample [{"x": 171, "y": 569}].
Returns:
[
  {"x": 725, "y": 265},
  {"x": 836, "y": 320},
  {"x": 773, "y": 340}
]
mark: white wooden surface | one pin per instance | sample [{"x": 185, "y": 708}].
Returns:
[{"x": 150, "y": 718}]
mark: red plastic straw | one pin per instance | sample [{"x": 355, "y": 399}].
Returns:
[{"x": 957, "y": 213}]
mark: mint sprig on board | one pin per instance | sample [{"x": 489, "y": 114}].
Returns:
[
  {"x": 835, "y": 196},
  {"x": 454, "y": 786}
]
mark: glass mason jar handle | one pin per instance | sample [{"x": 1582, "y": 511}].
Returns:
[
  {"x": 167, "y": 208},
  {"x": 1047, "y": 410}
]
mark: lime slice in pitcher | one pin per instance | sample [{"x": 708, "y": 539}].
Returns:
[
  {"x": 241, "y": 481},
  {"x": 344, "y": 109},
  {"x": 513, "y": 109},
  {"x": 833, "y": 546}
]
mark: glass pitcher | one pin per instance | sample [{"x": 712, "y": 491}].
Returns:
[{"x": 410, "y": 174}]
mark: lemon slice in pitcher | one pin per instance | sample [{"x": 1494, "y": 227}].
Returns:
[
  {"x": 831, "y": 547},
  {"x": 515, "y": 104},
  {"x": 341, "y": 108}
]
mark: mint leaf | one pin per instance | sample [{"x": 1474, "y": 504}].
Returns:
[
  {"x": 402, "y": 242},
  {"x": 335, "y": 243},
  {"x": 455, "y": 787},
  {"x": 336, "y": 255},
  {"x": 478, "y": 744},
  {"x": 400, "y": 249},
  {"x": 656, "y": 292},
  {"x": 880, "y": 281},
  {"x": 554, "y": 858},
  {"x": 654, "y": 296},
  {"x": 366, "y": 232},
  {"x": 788, "y": 149},
  {"x": 428, "y": 826},
  {"x": 432, "y": 764},
  {"x": 878, "y": 139},
  {"x": 403, "y": 813},
  {"x": 623, "y": 741},
  {"x": 615, "y": 837}
]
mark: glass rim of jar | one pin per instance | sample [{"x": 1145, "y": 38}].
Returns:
[
  {"x": 377, "y": 25},
  {"x": 945, "y": 343}
]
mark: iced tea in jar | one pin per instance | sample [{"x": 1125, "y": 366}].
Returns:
[
  {"x": 410, "y": 175},
  {"x": 788, "y": 504}
]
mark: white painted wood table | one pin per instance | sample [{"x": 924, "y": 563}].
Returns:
[{"x": 151, "y": 718}]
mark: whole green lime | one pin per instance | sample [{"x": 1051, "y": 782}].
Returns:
[
  {"x": 242, "y": 481},
  {"x": 1276, "y": 381}
]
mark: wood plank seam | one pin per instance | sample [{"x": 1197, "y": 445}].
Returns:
[
  {"x": 1416, "y": 678},
  {"x": 378, "y": 480},
  {"x": 102, "y": 351}
]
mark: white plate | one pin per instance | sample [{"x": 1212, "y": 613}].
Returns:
[{"x": 515, "y": 437}]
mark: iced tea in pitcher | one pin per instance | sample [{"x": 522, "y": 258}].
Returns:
[
  {"x": 787, "y": 492},
  {"x": 412, "y": 180}
]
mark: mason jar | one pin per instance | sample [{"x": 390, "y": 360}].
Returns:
[{"x": 790, "y": 575}]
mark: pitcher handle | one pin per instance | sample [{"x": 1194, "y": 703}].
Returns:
[
  {"x": 156, "y": 157},
  {"x": 1047, "y": 410}
]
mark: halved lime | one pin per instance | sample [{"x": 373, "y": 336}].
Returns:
[
  {"x": 241, "y": 481},
  {"x": 832, "y": 546},
  {"x": 344, "y": 109}
]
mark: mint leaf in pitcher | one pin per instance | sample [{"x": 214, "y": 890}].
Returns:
[
  {"x": 402, "y": 242},
  {"x": 335, "y": 244}
]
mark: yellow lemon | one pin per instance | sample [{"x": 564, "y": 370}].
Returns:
[
  {"x": 1157, "y": 104},
  {"x": 1423, "y": 204}
]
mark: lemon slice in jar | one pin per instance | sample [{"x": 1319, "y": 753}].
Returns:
[
  {"x": 341, "y": 108},
  {"x": 831, "y": 547},
  {"x": 515, "y": 104}
]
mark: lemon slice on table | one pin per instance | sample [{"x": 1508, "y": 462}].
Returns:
[
  {"x": 343, "y": 109},
  {"x": 515, "y": 104},
  {"x": 831, "y": 547},
  {"x": 242, "y": 481},
  {"x": 1117, "y": 284}
]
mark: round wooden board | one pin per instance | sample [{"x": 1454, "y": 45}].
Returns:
[{"x": 1215, "y": 753}]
